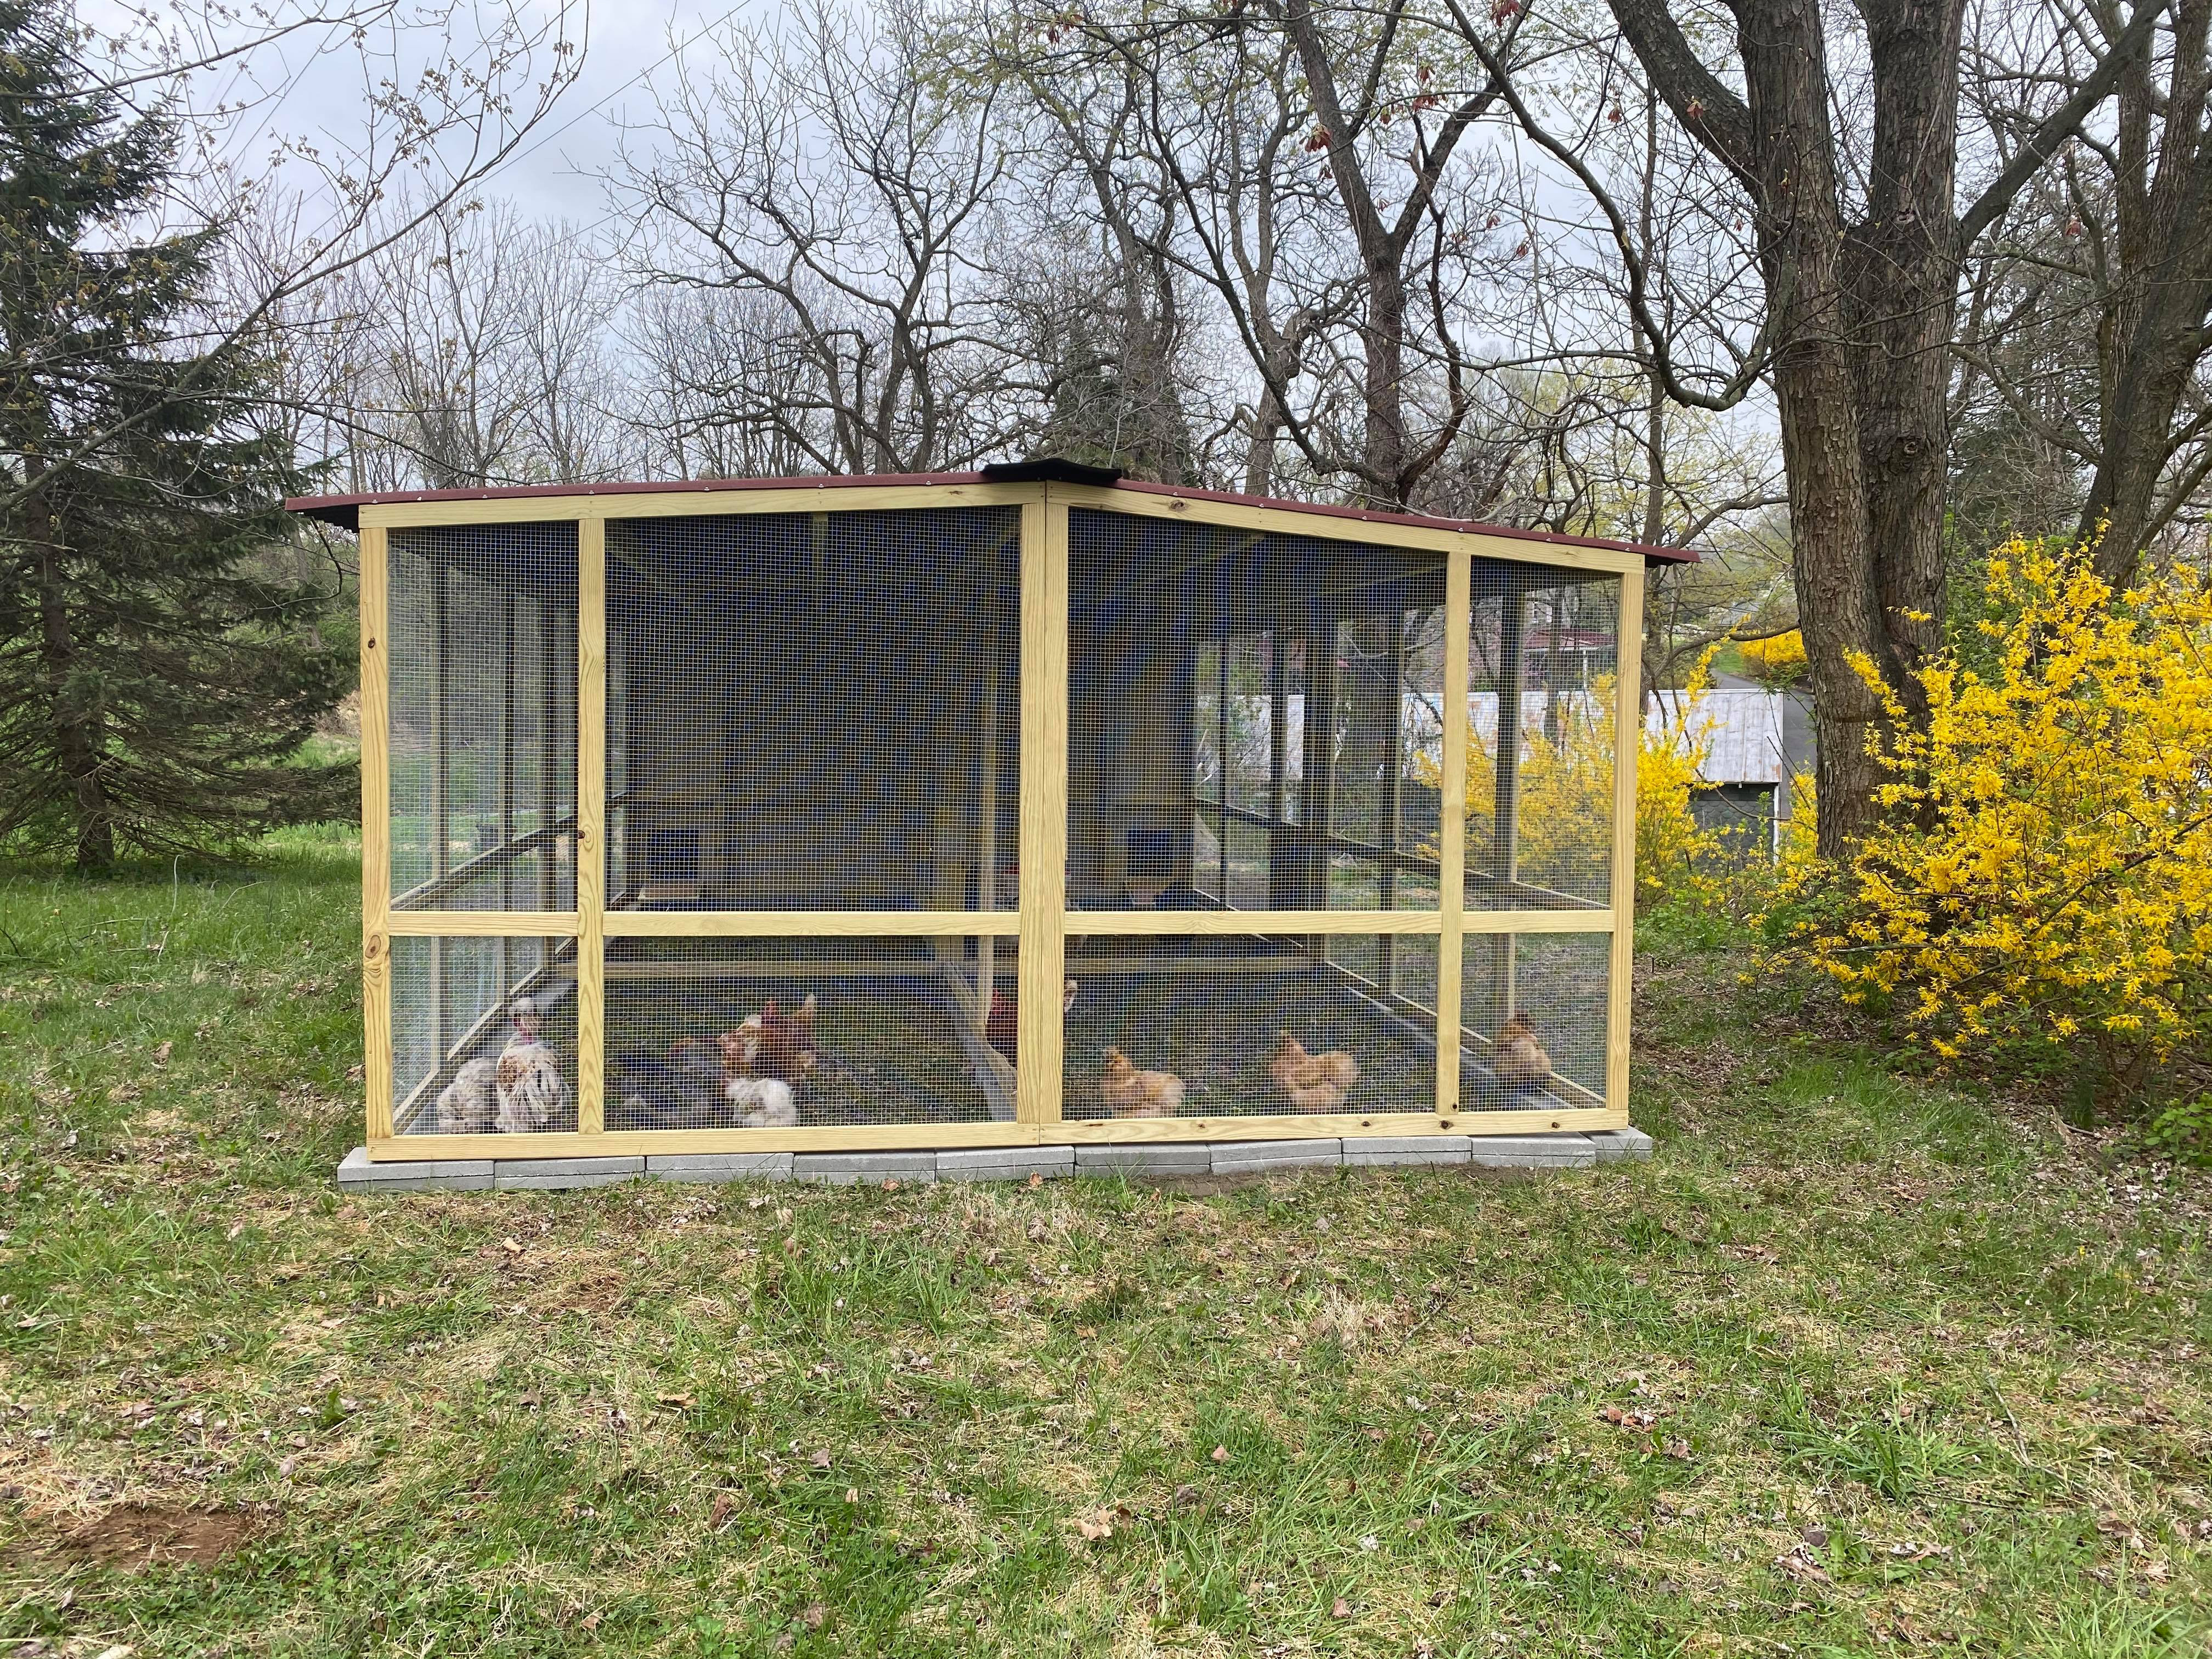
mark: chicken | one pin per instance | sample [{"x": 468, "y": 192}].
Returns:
[
  {"x": 532, "y": 1091},
  {"x": 1002, "y": 1025},
  {"x": 1314, "y": 1083},
  {"x": 771, "y": 1044},
  {"x": 787, "y": 1050},
  {"x": 467, "y": 1104},
  {"x": 763, "y": 1102},
  {"x": 1128, "y": 1093},
  {"x": 1517, "y": 1058}
]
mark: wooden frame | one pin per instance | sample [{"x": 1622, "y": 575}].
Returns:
[{"x": 1040, "y": 929}]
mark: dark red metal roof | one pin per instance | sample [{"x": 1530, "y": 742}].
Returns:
[{"x": 344, "y": 510}]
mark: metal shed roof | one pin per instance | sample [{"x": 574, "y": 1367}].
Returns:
[{"x": 345, "y": 511}]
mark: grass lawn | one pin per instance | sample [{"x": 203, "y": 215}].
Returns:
[{"x": 1856, "y": 1364}]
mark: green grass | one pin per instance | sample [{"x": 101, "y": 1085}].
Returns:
[{"x": 1924, "y": 1376}]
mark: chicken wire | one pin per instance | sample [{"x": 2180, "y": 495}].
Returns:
[
  {"x": 1543, "y": 654},
  {"x": 1252, "y": 719},
  {"x": 1556, "y": 987},
  {"x": 484, "y": 1036},
  {"x": 482, "y": 646},
  {"x": 814, "y": 711},
  {"x": 791, "y": 1033},
  {"x": 1196, "y": 1028}
]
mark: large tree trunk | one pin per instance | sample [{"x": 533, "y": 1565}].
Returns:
[
  {"x": 1864, "y": 313},
  {"x": 76, "y": 735}
]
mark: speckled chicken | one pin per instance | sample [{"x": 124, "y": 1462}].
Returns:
[
  {"x": 1128, "y": 1093},
  {"x": 468, "y": 1105},
  {"x": 1313, "y": 1083},
  {"x": 532, "y": 1091}
]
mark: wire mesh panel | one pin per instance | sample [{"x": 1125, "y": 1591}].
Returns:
[
  {"x": 484, "y": 1036},
  {"x": 815, "y": 711},
  {"x": 483, "y": 649},
  {"x": 1210, "y": 1027},
  {"x": 1251, "y": 720},
  {"x": 1535, "y": 1006},
  {"x": 800, "y": 1033},
  {"x": 1544, "y": 656}
]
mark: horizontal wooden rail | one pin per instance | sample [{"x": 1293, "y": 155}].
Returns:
[
  {"x": 482, "y": 924},
  {"x": 812, "y": 923}
]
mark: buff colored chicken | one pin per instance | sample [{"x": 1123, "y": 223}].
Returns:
[
  {"x": 467, "y": 1105},
  {"x": 1128, "y": 1093},
  {"x": 1314, "y": 1083},
  {"x": 1517, "y": 1058}
]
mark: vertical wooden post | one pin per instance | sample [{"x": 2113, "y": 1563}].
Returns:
[
  {"x": 1627, "y": 741},
  {"x": 1452, "y": 824},
  {"x": 375, "y": 833},
  {"x": 1506, "y": 795},
  {"x": 1041, "y": 968},
  {"x": 591, "y": 823}
]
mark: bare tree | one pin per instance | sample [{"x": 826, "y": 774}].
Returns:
[
  {"x": 831, "y": 172},
  {"x": 1850, "y": 182}
]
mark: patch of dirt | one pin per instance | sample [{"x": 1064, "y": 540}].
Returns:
[{"x": 133, "y": 1535}]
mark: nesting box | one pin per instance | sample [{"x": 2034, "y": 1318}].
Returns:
[{"x": 1013, "y": 808}]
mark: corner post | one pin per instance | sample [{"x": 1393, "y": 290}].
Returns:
[
  {"x": 376, "y": 832},
  {"x": 1451, "y": 825},
  {"x": 591, "y": 823},
  {"x": 1627, "y": 741},
  {"x": 1041, "y": 969}
]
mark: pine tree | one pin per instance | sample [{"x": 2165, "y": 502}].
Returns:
[{"x": 155, "y": 683}]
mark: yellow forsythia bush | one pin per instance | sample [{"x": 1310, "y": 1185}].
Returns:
[
  {"x": 2045, "y": 869},
  {"x": 1777, "y": 661}
]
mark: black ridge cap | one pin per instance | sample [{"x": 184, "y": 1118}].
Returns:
[{"x": 1051, "y": 469}]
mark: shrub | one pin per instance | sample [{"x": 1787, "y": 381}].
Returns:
[
  {"x": 1776, "y": 662},
  {"x": 2044, "y": 872}
]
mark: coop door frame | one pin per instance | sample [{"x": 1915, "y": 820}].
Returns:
[{"x": 1042, "y": 921}]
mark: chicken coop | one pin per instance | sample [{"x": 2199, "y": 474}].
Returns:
[{"x": 1031, "y": 806}]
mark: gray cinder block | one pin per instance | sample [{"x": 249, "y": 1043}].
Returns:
[
  {"x": 1564, "y": 1150},
  {"x": 1260, "y": 1156},
  {"x": 1145, "y": 1159},
  {"x": 560, "y": 1174},
  {"x": 1614, "y": 1146},
  {"x": 859, "y": 1169},
  {"x": 711, "y": 1167},
  {"x": 1389, "y": 1150},
  {"x": 1006, "y": 1162},
  {"x": 452, "y": 1174}
]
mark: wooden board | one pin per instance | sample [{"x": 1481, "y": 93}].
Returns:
[
  {"x": 583, "y": 507},
  {"x": 1451, "y": 825},
  {"x": 482, "y": 924},
  {"x": 1131, "y": 924},
  {"x": 810, "y": 924},
  {"x": 375, "y": 835},
  {"x": 1628, "y": 739},
  {"x": 893, "y": 1137},
  {"x": 1286, "y": 521},
  {"x": 591, "y": 823},
  {"x": 1041, "y": 820}
]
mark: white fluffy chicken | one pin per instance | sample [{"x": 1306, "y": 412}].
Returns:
[
  {"x": 532, "y": 1091},
  {"x": 468, "y": 1105},
  {"x": 763, "y": 1103}
]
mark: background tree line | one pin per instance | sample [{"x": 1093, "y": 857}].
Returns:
[{"x": 1840, "y": 294}]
